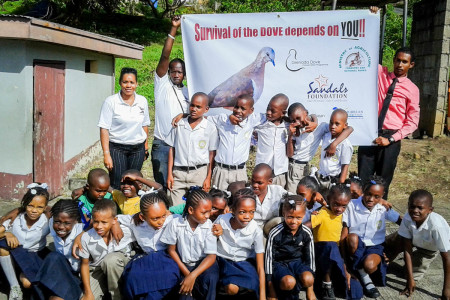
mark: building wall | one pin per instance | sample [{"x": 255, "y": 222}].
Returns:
[
  {"x": 430, "y": 41},
  {"x": 84, "y": 95}
]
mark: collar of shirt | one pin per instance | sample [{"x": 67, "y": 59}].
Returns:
[
  {"x": 359, "y": 206},
  {"x": 424, "y": 225},
  {"x": 41, "y": 222},
  {"x": 247, "y": 230},
  {"x": 185, "y": 223},
  {"x": 70, "y": 238},
  {"x": 268, "y": 123},
  {"x": 96, "y": 239},
  {"x": 123, "y": 102},
  {"x": 400, "y": 79},
  {"x": 237, "y": 128},
  {"x": 202, "y": 125}
]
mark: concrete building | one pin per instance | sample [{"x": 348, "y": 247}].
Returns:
[{"x": 54, "y": 80}]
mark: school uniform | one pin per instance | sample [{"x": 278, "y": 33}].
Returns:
[
  {"x": 192, "y": 147},
  {"x": 330, "y": 167},
  {"x": 271, "y": 150},
  {"x": 370, "y": 226},
  {"x": 233, "y": 150},
  {"x": 432, "y": 237},
  {"x": 236, "y": 253},
  {"x": 193, "y": 247},
  {"x": 270, "y": 206},
  {"x": 288, "y": 254},
  {"x": 153, "y": 274},
  {"x": 31, "y": 252},
  {"x": 59, "y": 273},
  {"x": 305, "y": 147},
  {"x": 107, "y": 262}
]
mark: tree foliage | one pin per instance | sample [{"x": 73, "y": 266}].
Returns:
[{"x": 249, "y": 6}]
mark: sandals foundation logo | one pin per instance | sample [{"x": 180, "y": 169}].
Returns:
[
  {"x": 355, "y": 59},
  {"x": 323, "y": 90}
]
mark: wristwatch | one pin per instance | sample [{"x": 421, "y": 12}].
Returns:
[{"x": 391, "y": 140}]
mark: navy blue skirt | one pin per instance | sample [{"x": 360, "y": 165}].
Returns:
[
  {"x": 240, "y": 273},
  {"x": 205, "y": 285},
  {"x": 293, "y": 268},
  {"x": 150, "y": 276},
  {"x": 361, "y": 253},
  {"x": 328, "y": 258},
  {"x": 28, "y": 262}
]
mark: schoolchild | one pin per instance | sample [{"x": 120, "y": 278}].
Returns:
[
  {"x": 29, "y": 230},
  {"x": 234, "y": 187},
  {"x": 334, "y": 169},
  {"x": 153, "y": 274},
  {"x": 193, "y": 143},
  {"x": 364, "y": 234},
  {"x": 355, "y": 185},
  {"x": 58, "y": 277},
  {"x": 102, "y": 259},
  {"x": 268, "y": 195},
  {"x": 308, "y": 189},
  {"x": 332, "y": 277},
  {"x": 289, "y": 259},
  {"x": 240, "y": 248},
  {"x": 303, "y": 141},
  {"x": 193, "y": 247},
  {"x": 272, "y": 138},
  {"x": 421, "y": 236}
]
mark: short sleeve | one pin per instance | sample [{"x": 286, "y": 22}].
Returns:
[
  {"x": 106, "y": 115},
  {"x": 259, "y": 241},
  {"x": 392, "y": 215},
  {"x": 169, "y": 236},
  {"x": 213, "y": 139},
  {"x": 404, "y": 229},
  {"x": 170, "y": 138},
  {"x": 146, "y": 121},
  {"x": 215, "y": 119},
  {"x": 7, "y": 224},
  {"x": 441, "y": 236},
  {"x": 125, "y": 220},
  {"x": 84, "y": 244},
  {"x": 316, "y": 220},
  {"x": 211, "y": 243},
  {"x": 346, "y": 154}
]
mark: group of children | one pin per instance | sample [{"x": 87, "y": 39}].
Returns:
[{"x": 288, "y": 229}]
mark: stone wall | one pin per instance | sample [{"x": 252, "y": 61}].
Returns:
[{"x": 430, "y": 41}]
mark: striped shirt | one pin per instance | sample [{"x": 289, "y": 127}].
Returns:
[{"x": 282, "y": 246}]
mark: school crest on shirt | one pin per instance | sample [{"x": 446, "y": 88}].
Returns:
[
  {"x": 202, "y": 144},
  {"x": 379, "y": 225}
]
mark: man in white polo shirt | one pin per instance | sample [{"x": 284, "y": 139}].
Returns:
[{"x": 171, "y": 99}]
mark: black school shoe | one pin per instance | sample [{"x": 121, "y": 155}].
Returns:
[
  {"x": 372, "y": 293},
  {"x": 328, "y": 292}
]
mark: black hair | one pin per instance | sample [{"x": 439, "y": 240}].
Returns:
[
  {"x": 420, "y": 194},
  {"x": 67, "y": 206},
  {"x": 104, "y": 205},
  {"x": 216, "y": 193},
  {"x": 339, "y": 189},
  {"x": 282, "y": 98},
  {"x": 373, "y": 180},
  {"x": 236, "y": 186},
  {"x": 263, "y": 167},
  {"x": 180, "y": 61},
  {"x": 247, "y": 97},
  {"x": 193, "y": 196},
  {"x": 309, "y": 182},
  {"x": 294, "y": 106},
  {"x": 291, "y": 202},
  {"x": 241, "y": 195},
  {"x": 128, "y": 71},
  {"x": 406, "y": 50},
  {"x": 30, "y": 194},
  {"x": 148, "y": 200},
  {"x": 132, "y": 171},
  {"x": 340, "y": 111},
  {"x": 97, "y": 173}
]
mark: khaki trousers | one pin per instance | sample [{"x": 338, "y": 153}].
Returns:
[
  {"x": 222, "y": 177},
  {"x": 183, "y": 180}
]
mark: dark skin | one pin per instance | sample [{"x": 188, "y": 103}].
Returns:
[
  {"x": 261, "y": 178},
  {"x": 276, "y": 110},
  {"x": 241, "y": 110},
  {"x": 338, "y": 123}
]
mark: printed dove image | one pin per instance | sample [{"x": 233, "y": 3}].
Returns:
[{"x": 249, "y": 80}]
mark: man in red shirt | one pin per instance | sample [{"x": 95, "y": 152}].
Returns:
[{"x": 397, "y": 118}]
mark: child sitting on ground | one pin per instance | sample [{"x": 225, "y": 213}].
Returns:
[
  {"x": 364, "y": 233},
  {"x": 308, "y": 189},
  {"x": 355, "y": 185},
  {"x": 289, "y": 259}
]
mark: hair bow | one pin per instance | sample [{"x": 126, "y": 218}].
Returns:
[
  {"x": 228, "y": 193},
  {"x": 142, "y": 193},
  {"x": 356, "y": 177},
  {"x": 347, "y": 185},
  {"x": 373, "y": 182},
  {"x": 34, "y": 185}
]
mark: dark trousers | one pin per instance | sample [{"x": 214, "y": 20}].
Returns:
[
  {"x": 125, "y": 157},
  {"x": 160, "y": 158},
  {"x": 380, "y": 161}
]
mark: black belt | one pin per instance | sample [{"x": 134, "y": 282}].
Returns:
[
  {"x": 190, "y": 168},
  {"x": 328, "y": 177},
  {"x": 235, "y": 167},
  {"x": 297, "y": 161}
]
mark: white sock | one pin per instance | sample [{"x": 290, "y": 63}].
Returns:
[
  {"x": 326, "y": 283},
  {"x": 365, "y": 278},
  {"x": 6, "y": 263}
]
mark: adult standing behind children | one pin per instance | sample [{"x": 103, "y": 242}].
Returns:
[
  {"x": 398, "y": 116},
  {"x": 171, "y": 99},
  {"x": 123, "y": 123}
]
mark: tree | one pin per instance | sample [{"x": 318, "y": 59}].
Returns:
[{"x": 168, "y": 7}]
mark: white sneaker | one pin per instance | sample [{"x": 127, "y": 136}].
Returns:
[
  {"x": 15, "y": 293},
  {"x": 313, "y": 171}
]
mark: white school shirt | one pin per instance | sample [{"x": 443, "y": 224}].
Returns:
[
  {"x": 370, "y": 226},
  {"x": 269, "y": 208},
  {"x": 307, "y": 143},
  {"x": 32, "y": 239},
  {"x": 148, "y": 238},
  {"x": 170, "y": 101},
  {"x": 433, "y": 234},
  {"x": 65, "y": 246},
  {"x": 192, "y": 246},
  {"x": 94, "y": 246},
  {"x": 332, "y": 166},
  {"x": 272, "y": 141},
  {"x": 239, "y": 244},
  {"x": 308, "y": 212},
  {"x": 192, "y": 145},
  {"x": 234, "y": 140},
  {"x": 125, "y": 122}
]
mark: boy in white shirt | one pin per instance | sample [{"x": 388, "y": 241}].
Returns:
[
  {"x": 101, "y": 257},
  {"x": 193, "y": 144}
]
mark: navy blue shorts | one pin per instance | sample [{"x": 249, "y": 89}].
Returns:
[
  {"x": 240, "y": 273},
  {"x": 293, "y": 268},
  {"x": 361, "y": 253}
]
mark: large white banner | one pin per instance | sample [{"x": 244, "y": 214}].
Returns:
[{"x": 324, "y": 59}]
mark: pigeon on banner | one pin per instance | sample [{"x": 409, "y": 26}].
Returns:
[{"x": 248, "y": 81}]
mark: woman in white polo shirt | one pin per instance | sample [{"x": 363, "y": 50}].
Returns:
[{"x": 123, "y": 123}]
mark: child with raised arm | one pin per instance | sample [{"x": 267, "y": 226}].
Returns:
[{"x": 193, "y": 144}]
